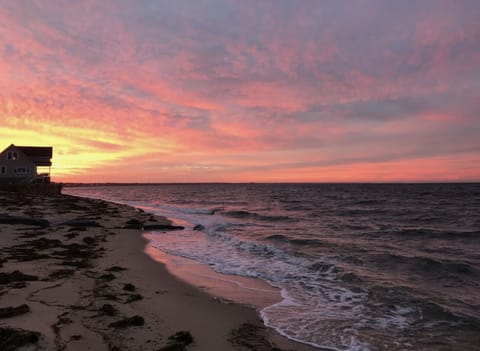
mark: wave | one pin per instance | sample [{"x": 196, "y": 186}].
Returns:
[
  {"x": 350, "y": 277},
  {"x": 438, "y": 234},
  {"x": 324, "y": 268},
  {"x": 189, "y": 210},
  {"x": 368, "y": 202},
  {"x": 427, "y": 265},
  {"x": 362, "y": 212},
  {"x": 280, "y": 238},
  {"x": 256, "y": 216},
  {"x": 433, "y": 313},
  {"x": 309, "y": 242},
  {"x": 277, "y": 237}
]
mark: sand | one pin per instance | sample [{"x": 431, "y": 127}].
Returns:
[{"x": 72, "y": 277}]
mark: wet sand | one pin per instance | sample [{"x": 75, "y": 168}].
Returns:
[
  {"x": 243, "y": 290},
  {"x": 74, "y": 275}
]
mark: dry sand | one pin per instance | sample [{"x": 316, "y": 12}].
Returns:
[{"x": 81, "y": 281}]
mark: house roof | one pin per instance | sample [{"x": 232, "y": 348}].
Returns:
[
  {"x": 37, "y": 151},
  {"x": 41, "y": 155}
]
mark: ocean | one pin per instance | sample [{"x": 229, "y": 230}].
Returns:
[{"x": 359, "y": 266}]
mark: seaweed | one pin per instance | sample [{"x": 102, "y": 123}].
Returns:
[
  {"x": 11, "y": 339},
  {"x": 8, "y": 312},
  {"x": 133, "y": 297},
  {"x": 115, "y": 269},
  {"x": 129, "y": 287},
  {"x": 178, "y": 341},
  {"x": 108, "y": 310},
  {"x": 16, "y": 276},
  {"x": 136, "y": 321}
]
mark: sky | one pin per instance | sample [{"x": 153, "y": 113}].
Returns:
[{"x": 244, "y": 91}]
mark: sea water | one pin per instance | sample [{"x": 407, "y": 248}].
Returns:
[{"x": 359, "y": 266}]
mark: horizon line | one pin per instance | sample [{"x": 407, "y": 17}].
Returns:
[{"x": 253, "y": 182}]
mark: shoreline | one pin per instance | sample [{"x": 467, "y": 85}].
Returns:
[{"x": 95, "y": 287}]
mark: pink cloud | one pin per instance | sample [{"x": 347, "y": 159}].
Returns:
[{"x": 245, "y": 91}]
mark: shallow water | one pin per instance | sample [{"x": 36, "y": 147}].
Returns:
[{"x": 360, "y": 266}]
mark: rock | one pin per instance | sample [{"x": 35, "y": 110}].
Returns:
[
  {"x": 199, "y": 227},
  {"x": 128, "y": 322},
  {"x": 133, "y": 224},
  {"x": 8, "y": 312},
  {"x": 136, "y": 224}
]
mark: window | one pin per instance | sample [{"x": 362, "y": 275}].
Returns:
[
  {"x": 3, "y": 169},
  {"x": 12, "y": 155},
  {"x": 22, "y": 170}
]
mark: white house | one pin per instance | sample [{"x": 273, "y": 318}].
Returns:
[{"x": 25, "y": 164}]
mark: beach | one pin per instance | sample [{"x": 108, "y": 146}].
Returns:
[
  {"x": 74, "y": 275},
  {"x": 359, "y": 266}
]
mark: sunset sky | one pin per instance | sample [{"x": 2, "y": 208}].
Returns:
[{"x": 232, "y": 91}]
